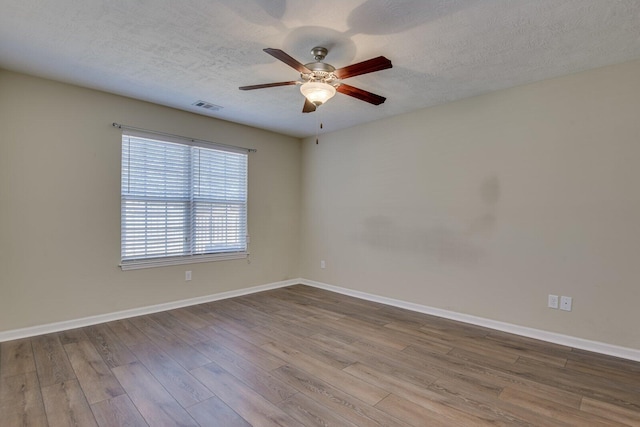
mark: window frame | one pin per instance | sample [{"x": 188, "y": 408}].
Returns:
[{"x": 128, "y": 263}]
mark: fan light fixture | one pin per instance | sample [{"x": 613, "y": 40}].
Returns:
[{"x": 317, "y": 92}]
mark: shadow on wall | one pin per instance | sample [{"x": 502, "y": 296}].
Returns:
[{"x": 439, "y": 243}]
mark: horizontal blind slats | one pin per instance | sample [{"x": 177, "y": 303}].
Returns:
[{"x": 181, "y": 200}]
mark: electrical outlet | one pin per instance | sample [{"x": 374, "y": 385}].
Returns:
[
  {"x": 565, "y": 303},
  {"x": 187, "y": 275},
  {"x": 553, "y": 301},
  {"x": 323, "y": 264}
]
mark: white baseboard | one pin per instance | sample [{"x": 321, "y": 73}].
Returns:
[
  {"x": 102, "y": 318},
  {"x": 580, "y": 343}
]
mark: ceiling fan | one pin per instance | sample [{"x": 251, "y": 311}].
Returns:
[{"x": 320, "y": 81}]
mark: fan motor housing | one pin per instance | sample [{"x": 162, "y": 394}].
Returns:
[
  {"x": 319, "y": 70},
  {"x": 320, "y": 66}
]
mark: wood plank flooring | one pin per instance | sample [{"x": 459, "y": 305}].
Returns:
[{"x": 300, "y": 356}]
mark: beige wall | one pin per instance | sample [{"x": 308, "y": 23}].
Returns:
[
  {"x": 60, "y": 205},
  {"x": 482, "y": 206},
  {"x": 486, "y": 205}
]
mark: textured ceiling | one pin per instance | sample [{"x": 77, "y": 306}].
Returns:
[{"x": 177, "y": 52}]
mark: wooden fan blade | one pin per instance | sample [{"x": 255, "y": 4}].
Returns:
[
  {"x": 309, "y": 107},
  {"x": 284, "y": 57},
  {"x": 362, "y": 95},
  {"x": 364, "y": 67},
  {"x": 267, "y": 85}
]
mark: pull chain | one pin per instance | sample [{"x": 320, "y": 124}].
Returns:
[{"x": 317, "y": 129}]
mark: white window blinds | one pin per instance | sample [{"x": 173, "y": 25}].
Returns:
[{"x": 181, "y": 202}]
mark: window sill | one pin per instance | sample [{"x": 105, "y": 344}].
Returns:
[{"x": 164, "y": 262}]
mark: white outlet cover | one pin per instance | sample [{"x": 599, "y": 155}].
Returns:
[
  {"x": 187, "y": 275},
  {"x": 323, "y": 264},
  {"x": 565, "y": 303},
  {"x": 553, "y": 301}
]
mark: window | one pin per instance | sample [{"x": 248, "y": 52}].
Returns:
[{"x": 181, "y": 201}]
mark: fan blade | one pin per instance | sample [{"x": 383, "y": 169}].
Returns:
[
  {"x": 364, "y": 67},
  {"x": 309, "y": 107},
  {"x": 284, "y": 57},
  {"x": 362, "y": 95},
  {"x": 267, "y": 85}
]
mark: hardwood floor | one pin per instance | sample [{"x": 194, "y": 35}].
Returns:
[{"x": 302, "y": 356}]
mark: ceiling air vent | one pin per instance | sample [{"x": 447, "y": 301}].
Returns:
[{"x": 207, "y": 106}]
